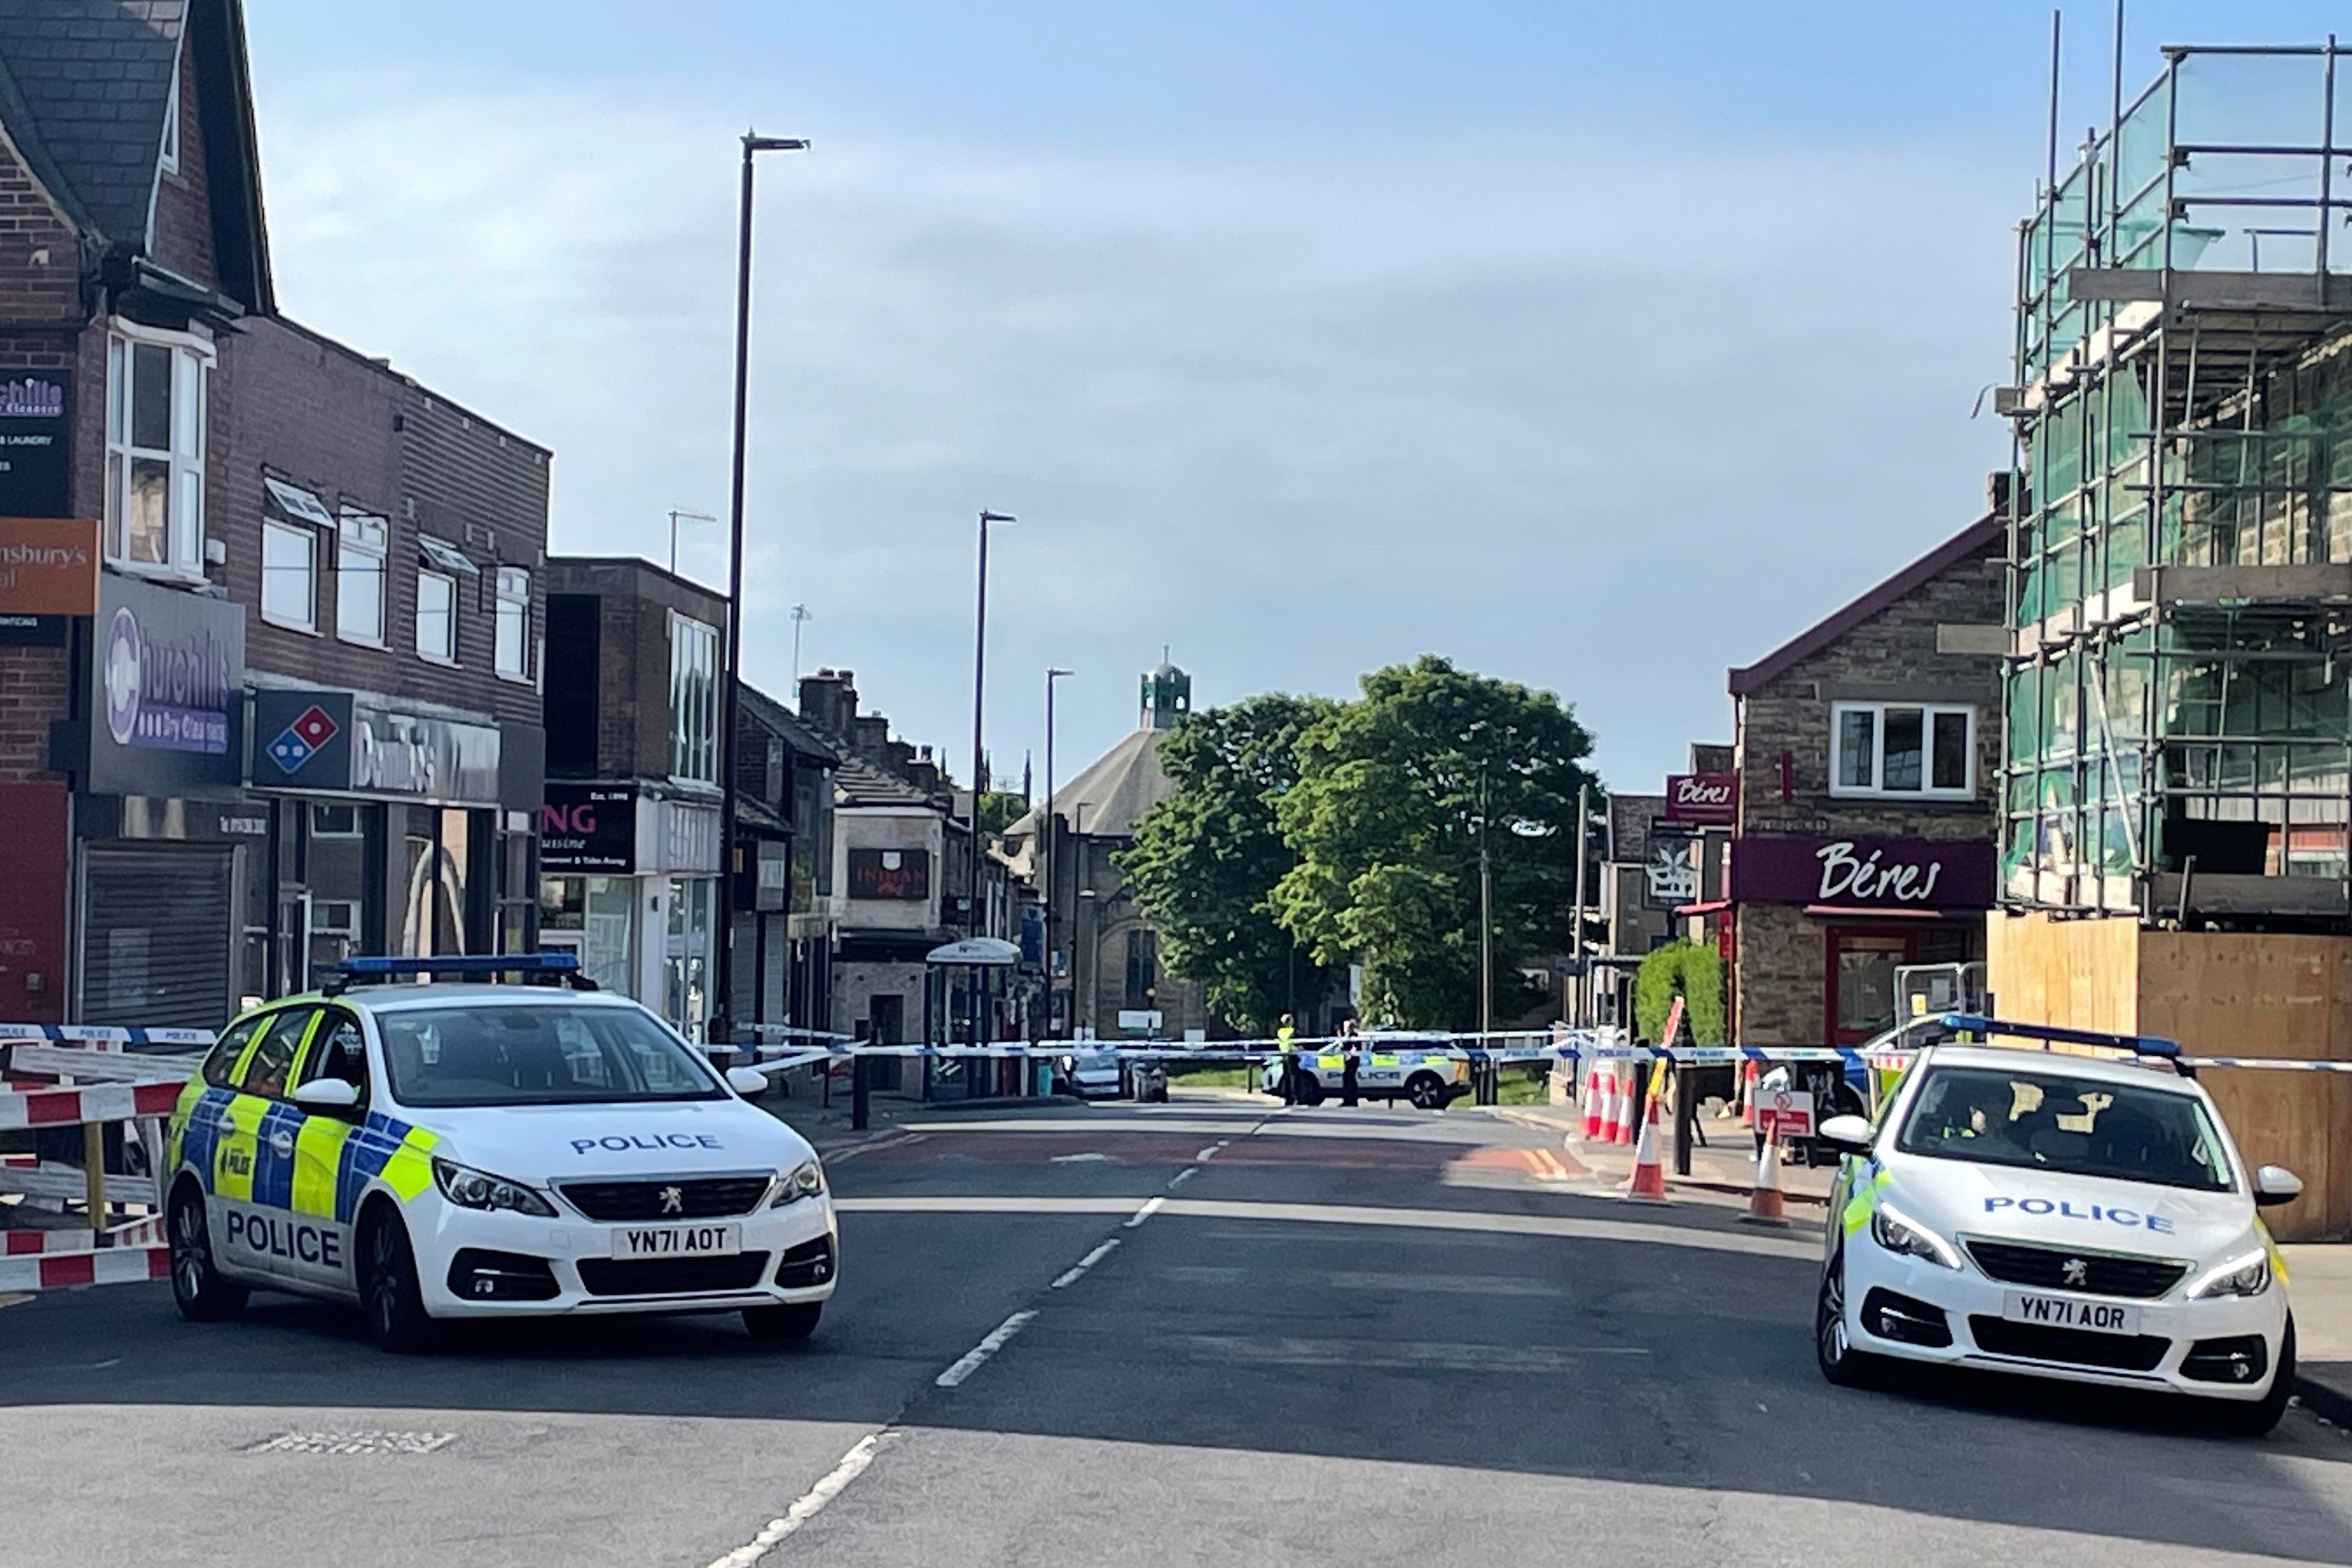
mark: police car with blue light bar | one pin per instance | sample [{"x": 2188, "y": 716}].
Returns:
[
  {"x": 462, "y": 1148},
  {"x": 2062, "y": 1214}
]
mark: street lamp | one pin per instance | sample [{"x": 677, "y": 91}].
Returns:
[
  {"x": 979, "y": 674},
  {"x": 678, "y": 516},
  {"x": 1051, "y": 821},
  {"x": 722, "y": 1017}
]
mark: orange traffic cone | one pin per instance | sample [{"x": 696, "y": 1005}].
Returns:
[
  {"x": 1748, "y": 1094},
  {"x": 1765, "y": 1204},
  {"x": 1649, "y": 1179},
  {"x": 1629, "y": 1083},
  {"x": 1593, "y": 1107}
]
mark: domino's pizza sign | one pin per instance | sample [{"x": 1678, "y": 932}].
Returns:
[{"x": 302, "y": 738}]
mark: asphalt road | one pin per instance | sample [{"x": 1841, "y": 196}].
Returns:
[{"x": 1312, "y": 1337}]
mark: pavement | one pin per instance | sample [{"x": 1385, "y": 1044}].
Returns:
[
  {"x": 1211, "y": 1332},
  {"x": 2319, "y": 1278}
]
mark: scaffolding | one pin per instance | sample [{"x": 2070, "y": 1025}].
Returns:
[{"x": 2181, "y": 551}]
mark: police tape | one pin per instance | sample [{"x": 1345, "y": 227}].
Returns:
[
  {"x": 104, "y": 1038},
  {"x": 2287, "y": 1064}
]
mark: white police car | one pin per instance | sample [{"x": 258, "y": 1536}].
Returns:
[
  {"x": 2061, "y": 1215},
  {"x": 441, "y": 1151},
  {"x": 1431, "y": 1073}
]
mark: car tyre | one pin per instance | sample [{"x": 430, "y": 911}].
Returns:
[
  {"x": 2242, "y": 1419},
  {"x": 1840, "y": 1363},
  {"x": 795, "y": 1321},
  {"x": 205, "y": 1295},
  {"x": 1426, "y": 1093},
  {"x": 396, "y": 1318}
]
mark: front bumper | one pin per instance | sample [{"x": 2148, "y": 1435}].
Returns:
[
  {"x": 457, "y": 1249},
  {"x": 2185, "y": 1329}
]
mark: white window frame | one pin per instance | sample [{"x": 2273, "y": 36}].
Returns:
[
  {"x": 192, "y": 359},
  {"x": 424, "y": 575},
  {"x": 307, "y": 538},
  {"x": 513, "y": 611},
  {"x": 362, "y": 549},
  {"x": 693, "y": 700},
  {"x": 1876, "y": 789},
  {"x": 171, "y": 149}
]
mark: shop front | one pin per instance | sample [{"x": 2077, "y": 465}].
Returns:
[
  {"x": 163, "y": 837},
  {"x": 1823, "y": 926},
  {"x": 391, "y": 827},
  {"x": 629, "y": 881}
]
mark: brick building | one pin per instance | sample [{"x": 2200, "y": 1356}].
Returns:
[
  {"x": 296, "y": 710},
  {"x": 1868, "y": 756}
]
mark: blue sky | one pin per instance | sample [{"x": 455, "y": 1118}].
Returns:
[{"x": 1598, "y": 347}]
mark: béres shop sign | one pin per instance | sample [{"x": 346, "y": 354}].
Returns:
[
  {"x": 1864, "y": 873},
  {"x": 1712, "y": 799}
]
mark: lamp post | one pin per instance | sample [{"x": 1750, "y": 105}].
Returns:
[
  {"x": 979, "y": 676},
  {"x": 722, "y": 1019},
  {"x": 676, "y": 516},
  {"x": 1052, "y": 821}
]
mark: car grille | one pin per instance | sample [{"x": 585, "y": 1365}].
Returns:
[
  {"x": 671, "y": 1275},
  {"x": 2045, "y": 1267},
  {"x": 2077, "y": 1347},
  {"x": 710, "y": 1198}
]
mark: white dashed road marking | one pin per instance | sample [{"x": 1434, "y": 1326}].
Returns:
[
  {"x": 977, "y": 1357},
  {"x": 853, "y": 1465},
  {"x": 1145, "y": 1213},
  {"x": 1073, "y": 1275}
]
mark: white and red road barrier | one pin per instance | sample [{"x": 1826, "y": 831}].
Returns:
[
  {"x": 94, "y": 1266},
  {"x": 21, "y": 1108}
]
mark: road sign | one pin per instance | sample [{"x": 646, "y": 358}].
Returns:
[{"x": 1784, "y": 1113}]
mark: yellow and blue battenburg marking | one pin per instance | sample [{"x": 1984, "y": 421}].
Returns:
[{"x": 323, "y": 1173}]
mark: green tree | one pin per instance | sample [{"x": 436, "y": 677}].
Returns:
[
  {"x": 1205, "y": 860},
  {"x": 1393, "y": 794},
  {"x": 1000, "y": 809}
]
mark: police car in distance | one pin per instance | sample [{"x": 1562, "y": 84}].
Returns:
[
  {"x": 1430, "y": 1073},
  {"x": 2061, "y": 1215},
  {"x": 440, "y": 1150}
]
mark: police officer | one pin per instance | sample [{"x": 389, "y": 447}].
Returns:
[
  {"x": 1351, "y": 1047},
  {"x": 1284, "y": 1034}
]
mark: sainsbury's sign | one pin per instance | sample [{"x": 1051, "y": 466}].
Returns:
[{"x": 1864, "y": 873}]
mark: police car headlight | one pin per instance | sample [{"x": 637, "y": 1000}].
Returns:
[
  {"x": 472, "y": 1189},
  {"x": 2249, "y": 1275},
  {"x": 1899, "y": 1232},
  {"x": 805, "y": 1179}
]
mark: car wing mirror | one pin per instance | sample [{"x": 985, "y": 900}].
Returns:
[
  {"x": 1850, "y": 1133},
  {"x": 2276, "y": 1185},
  {"x": 747, "y": 1080},
  {"x": 327, "y": 1094}
]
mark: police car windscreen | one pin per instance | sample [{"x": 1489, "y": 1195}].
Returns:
[
  {"x": 2084, "y": 1127},
  {"x": 537, "y": 1055}
]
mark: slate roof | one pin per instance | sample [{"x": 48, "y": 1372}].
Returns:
[
  {"x": 91, "y": 79},
  {"x": 798, "y": 733},
  {"x": 1114, "y": 791},
  {"x": 857, "y": 782}
]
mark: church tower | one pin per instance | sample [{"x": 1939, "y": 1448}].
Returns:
[{"x": 1167, "y": 696}]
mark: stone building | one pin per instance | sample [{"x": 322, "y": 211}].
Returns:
[
  {"x": 1868, "y": 755},
  {"x": 1102, "y": 953}
]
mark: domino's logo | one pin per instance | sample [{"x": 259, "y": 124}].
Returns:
[{"x": 300, "y": 741}]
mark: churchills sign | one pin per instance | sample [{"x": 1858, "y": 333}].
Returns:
[{"x": 1864, "y": 873}]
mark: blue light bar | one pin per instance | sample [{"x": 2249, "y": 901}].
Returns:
[
  {"x": 487, "y": 965},
  {"x": 2144, "y": 1045}
]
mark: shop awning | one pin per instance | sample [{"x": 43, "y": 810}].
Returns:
[
  {"x": 1713, "y": 906},
  {"x": 1879, "y": 912},
  {"x": 976, "y": 952}
]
